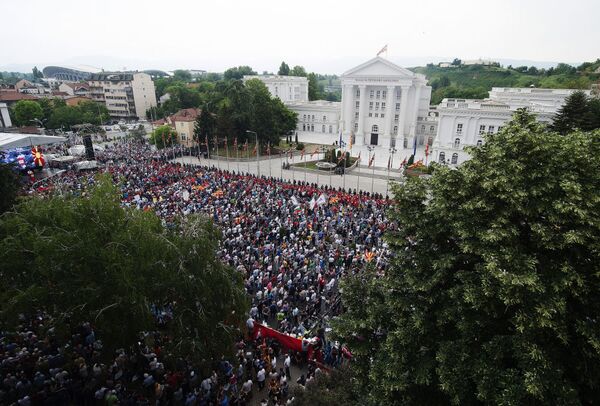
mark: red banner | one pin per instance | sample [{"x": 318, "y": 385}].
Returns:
[{"x": 289, "y": 342}]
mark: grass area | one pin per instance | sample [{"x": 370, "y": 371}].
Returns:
[{"x": 313, "y": 164}]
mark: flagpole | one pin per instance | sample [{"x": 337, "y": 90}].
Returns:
[
  {"x": 237, "y": 155},
  {"x": 217, "y": 144},
  {"x": 358, "y": 176},
  {"x": 304, "y": 168},
  {"x": 227, "y": 153},
  {"x": 269, "y": 150}
]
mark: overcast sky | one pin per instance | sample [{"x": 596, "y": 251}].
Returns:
[{"x": 324, "y": 36}]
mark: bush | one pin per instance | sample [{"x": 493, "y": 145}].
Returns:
[{"x": 300, "y": 147}]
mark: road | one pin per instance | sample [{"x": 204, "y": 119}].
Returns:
[{"x": 365, "y": 179}]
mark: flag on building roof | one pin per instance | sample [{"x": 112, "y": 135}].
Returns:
[{"x": 384, "y": 49}]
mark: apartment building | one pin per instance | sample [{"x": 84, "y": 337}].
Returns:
[{"x": 127, "y": 95}]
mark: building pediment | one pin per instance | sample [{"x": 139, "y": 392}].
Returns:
[{"x": 378, "y": 67}]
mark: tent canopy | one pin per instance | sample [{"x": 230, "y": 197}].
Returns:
[{"x": 16, "y": 140}]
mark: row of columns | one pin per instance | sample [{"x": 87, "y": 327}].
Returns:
[{"x": 348, "y": 109}]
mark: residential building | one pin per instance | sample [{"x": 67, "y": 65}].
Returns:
[
  {"x": 549, "y": 100},
  {"x": 184, "y": 122},
  {"x": 318, "y": 116},
  {"x": 127, "y": 95},
  {"x": 75, "y": 88},
  {"x": 288, "y": 89},
  {"x": 4, "y": 116},
  {"x": 75, "y": 100},
  {"x": 383, "y": 103},
  {"x": 11, "y": 97},
  {"x": 479, "y": 61}
]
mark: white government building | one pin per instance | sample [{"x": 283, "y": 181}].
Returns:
[{"x": 386, "y": 106}]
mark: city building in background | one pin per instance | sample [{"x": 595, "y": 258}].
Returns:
[
  {"x": 4, "y": 116},
  {"x": 127, "y": 95},
  {"x": 70, "y": 73},
  {"x": 288, "y": 89},
  {"x": 318, "y": 116}
]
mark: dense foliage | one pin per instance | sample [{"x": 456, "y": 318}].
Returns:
[
  {"x": 9, "y": 187},
  {"x": 493, "y": 294},
  {"x": 55, "y": 114},
  {"x": 476, "y": 81},
  {"x": 88, "y": 259},
  {"x": 579, "y": 112},
  {"x": 164, "y": 136}
]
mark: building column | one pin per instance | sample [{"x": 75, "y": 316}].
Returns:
[
  {"x": 347, "y": 108},
  {"x": 413, "y": 126},
  {"x": 361, "y": 112},
  {"x": 389, "y": 112},
  {"x": 403, "y": 106}
]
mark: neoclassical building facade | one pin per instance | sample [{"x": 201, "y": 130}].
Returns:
[{"x": 383, "y": 104}]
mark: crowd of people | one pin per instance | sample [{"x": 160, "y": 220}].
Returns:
[{"x": 292, "y": 241}]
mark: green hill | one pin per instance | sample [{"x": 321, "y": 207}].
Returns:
[{"x": 475, "y": 81}]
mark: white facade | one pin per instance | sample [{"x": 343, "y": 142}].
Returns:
[
  {"x": 543, "y": 100},
  {"x": 288, "y": 89},
  {"x": 382, "y": 103},
  {"x": 4, "y": 116},
  {"x": 319, "y": 117},
  {"x": 127, "y": 95},
  {"x": 464, "y": 122}
]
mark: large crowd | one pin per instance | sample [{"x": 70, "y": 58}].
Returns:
[{"x": 292, "y": 241}]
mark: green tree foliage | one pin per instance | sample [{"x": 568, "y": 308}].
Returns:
[
  {"x": 284, "y": 69},
  {"x": 327, "y": 389},
  {"x": 182, "y": 75},
  {"x": 65, "y": 117},
  {"x": 205, "y": 125},
  {"x": 9, "y": 186},
  {"x": 313, "y": 87},
  {"x": 238, "y": 73},
  {"x": 578, "y": 112},
  {"x": 37, "y": 74},
  {"x": 495, "y": 280},
  {"x": 163, "y": 136},
  {"x": 298, "y": 71},
  {"x": 26, "y": 112},
  {"x": 91, "y": 260}
]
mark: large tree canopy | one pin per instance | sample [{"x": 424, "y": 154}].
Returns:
[
  {"x": 91, "y": 260},
  {"x": 26, "y": 112},
  {"x": 493, "y": 293}
]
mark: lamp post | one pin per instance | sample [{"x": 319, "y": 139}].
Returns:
[{"x": 257, "y": 151}]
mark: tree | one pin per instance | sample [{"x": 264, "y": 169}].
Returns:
[
  {"x": 37, "y": 74},
  {"x": 494, "y": 280},
  {"x": 205, "y": 125},
  {"x": 138, "y": 133},
  {"x": 182, "y": 75},
  {"x": 313, "y": 87},
  {"x": 98, "y": 262},
  {"x": 298, "y": 71},
  {"x": 238, "y": 73},
  {"x": 163, "y": 136},
  {"x": 9, "y": 186},
  {"x": 456, "y": 62},
  {"x": 284, "y": 69},
  {"x": 334, "y": 388},
  {"x": 26, "y": 111},
  {"x": 572, "y": 114}
]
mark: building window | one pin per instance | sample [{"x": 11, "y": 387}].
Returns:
[
  {"x": 303, "y": 127},
  {"x": 383, "y": 94},
  {"x": 499, "y": 128},
  {"x": 457, "y": 143},
  {"x": 432, "y": 128},
  {"x": 376, "y": 105},
  {"x": 491, "y": 129},
  {"x": 481, "y": 129},
  {"x": 304, "y": 117},
  {"x": 454, "y": 160},
  {"x": 357, "y": 104},
  {"x": 357, "y": 92},
  {"x": 442, "y": 158},
  {"x": 459, "y": 128},
  {"x": 378, "y": 94},
  {"x": 395, "y": 130},
  {"x": 323, "y": 128},
  {"x": 396, "y": 118},
  {"x": 382, "y": 105},
  {"x": 312, "y": 128},
  {"x": 313, "y": 117},
  {"x": 356, "y": 115},
  {"x": 375, "y": 129},
  {"x": 371, "y": 93},
  {"x": 370, "y": 105},
  {"x": 398, "y": 93},
  {"x": 479, "y": 143},
  {"x": 324, "y": 118},
  {"x": 370, "y": 114},
  {"x": 330, "y": 129},
  {"x": 422, "y": 129},
  {"x": 397, "y": 106},
  {"x": 355, "y": 126},
  {"x": 382, "y": 115}
]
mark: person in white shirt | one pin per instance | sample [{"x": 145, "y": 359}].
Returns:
[
  {"x": 286, "y": 364},
  {"x": 260, "y": 377}
]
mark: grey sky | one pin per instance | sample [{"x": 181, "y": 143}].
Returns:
[{"x": 324, "y": 36}]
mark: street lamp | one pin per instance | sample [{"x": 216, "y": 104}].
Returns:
[
  {"x": 257, "y": 151},
  {"x": 391, "y": 162},
  {"x": 371, "y": 148}
]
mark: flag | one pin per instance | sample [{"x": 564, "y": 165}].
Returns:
[
  {"x": 206, "y": 139},
  {"x": 384, "y": 49},
  {"x": 312, "y": 203},
  {"x": 322, "y": 199},
  {"x": 291, "y": 153},
  {"x": 313, "y": 153},
  {"x": 427, "y": 149},
  {"x": 403, "y": 163},
  {"x": 295, "y": 201},
  {"x": 371, "y": 160},
  {"x": 225, "y": 141},
  {"x": 342, "y": 157},
  {"x": 358, "y": 157},
  {"x": 246, "y": 146},
  {"x": 269, "y": 148},
  {"x": 350, "y": 143},
  {"x": 254, "y": 150},
  {"x": 235, "y": 143},
  {"x": 302, "y": 153},
  {"x": 389, "y": 162},
  {"x": 334, "y": 199},
  {"x": 369, "y": 255}
]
